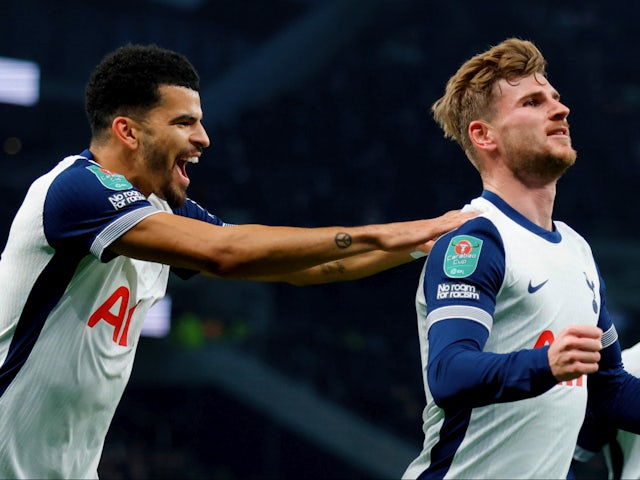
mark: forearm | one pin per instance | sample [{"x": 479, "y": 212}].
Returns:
[
  {"x": 250, "y": 251},
  {"x": 474, "y": 379},
  {"x": 346, "y": 269},
  {"x": 461, "y": 374},
  {"x": 304, "y": 256}
]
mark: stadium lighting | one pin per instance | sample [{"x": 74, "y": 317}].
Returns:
[
  {"x": 19, "y": 82},
  {"x": 158, "y": 321}
]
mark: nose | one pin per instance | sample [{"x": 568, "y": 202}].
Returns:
[
  {"x": 200, "y": 137},
  {"x": 559, "y": 111}
]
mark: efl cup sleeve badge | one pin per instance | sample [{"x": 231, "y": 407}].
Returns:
[
  {"x": 112, "y": 181},
  {"x": 462, "y": 256}
]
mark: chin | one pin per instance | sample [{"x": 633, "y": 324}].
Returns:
[
  {"x": 175, "y": 199},
  {"x": 177, "y": 202}
]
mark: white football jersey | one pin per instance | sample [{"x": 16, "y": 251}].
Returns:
[
  {"x": 70, "y": 318},
  {"x": 523, "y": 285}
]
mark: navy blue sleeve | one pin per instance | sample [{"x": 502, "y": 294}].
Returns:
[
  {"x": 614, "y": 394},
  {"x": 87, "y": 208},
  {"x": 460, "y": 292},
  {"x": 461, "y": 375},
  {"x": 595, "y": 433},
  {"x": 465, "y": 270}
]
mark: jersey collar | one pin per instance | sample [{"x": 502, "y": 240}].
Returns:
[{"x": 551, "y": 236}]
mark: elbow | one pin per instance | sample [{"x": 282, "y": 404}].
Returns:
[
  {"x": 444, "y": 390},
  {"x": 222, "y": 265},
  {"x": 244, "y": 267},
  {"x": 441, "y": 396}
]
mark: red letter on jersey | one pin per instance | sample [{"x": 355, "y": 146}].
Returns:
[
  {"x": 545, "y": 338},
  {"x": 104, "y": 313}
]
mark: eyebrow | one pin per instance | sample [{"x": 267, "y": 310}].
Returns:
[
  {"x": 183, "y": 117},
  {"x": 539, "y": 93}
]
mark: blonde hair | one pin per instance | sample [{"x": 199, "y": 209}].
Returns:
[{"x": 469, "y": 93}]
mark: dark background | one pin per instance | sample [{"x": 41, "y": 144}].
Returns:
[{"x": 318, "y": 113}]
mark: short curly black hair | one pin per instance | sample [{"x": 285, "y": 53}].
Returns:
[{"x": 126, "y": 82}]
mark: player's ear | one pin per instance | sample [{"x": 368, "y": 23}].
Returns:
[
  {"x": 127, "y": 131},
  {"x": 481, "y": 135}
]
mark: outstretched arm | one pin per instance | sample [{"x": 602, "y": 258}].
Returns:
[
  {"x": 349, "y": 268},
  {"x": 258, "y": 251}
]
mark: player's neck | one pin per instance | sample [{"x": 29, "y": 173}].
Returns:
[
  {"x": 122, "y": 161},
  {"x": 535, "y": 203}
]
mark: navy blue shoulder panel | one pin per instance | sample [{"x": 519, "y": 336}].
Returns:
[
  {"x": 83, "y": 200},
  {"x": 192, "y": 210}
]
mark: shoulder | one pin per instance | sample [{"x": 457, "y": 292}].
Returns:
[
  {"x": 81, "y": 173},
  {"x": 574, "y": 241},
  {"x": 475, "y": 232},
  {"x": 193, "y": 210},
  {"x": 78, "y": 181},
  {"x": 478, "y": 235},
  {"x": 473, "y": 250},
  {"x": 569, "y": 233}
]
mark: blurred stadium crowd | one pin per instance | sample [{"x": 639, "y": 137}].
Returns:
[{"x": 351, "y": 142}]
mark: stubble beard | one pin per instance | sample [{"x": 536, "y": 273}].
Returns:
[
  {"x": 157, "y": 163},
  {"x": 540, "y": 166}
]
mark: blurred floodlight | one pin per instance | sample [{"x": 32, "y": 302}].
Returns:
[
  {"x": 19, "y": 82},
  {"x": 158, "y": 321}
]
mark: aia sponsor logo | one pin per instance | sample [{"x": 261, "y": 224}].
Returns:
[{"x": 116, "y": 312}]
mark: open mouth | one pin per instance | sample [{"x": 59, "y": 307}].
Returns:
[
  {"x": 182, "y": 166},
  {"x": 559, "y": 132}
]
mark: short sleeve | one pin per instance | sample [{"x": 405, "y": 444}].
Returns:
[{"x": 88, "y": 207}]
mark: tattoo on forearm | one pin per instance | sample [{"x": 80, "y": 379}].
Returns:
[{"x": 343, "y": 240}]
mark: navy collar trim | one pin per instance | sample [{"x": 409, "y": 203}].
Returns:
[
  {"x": 553, "y": 236},
  {"x": 88, "y": 155}
]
